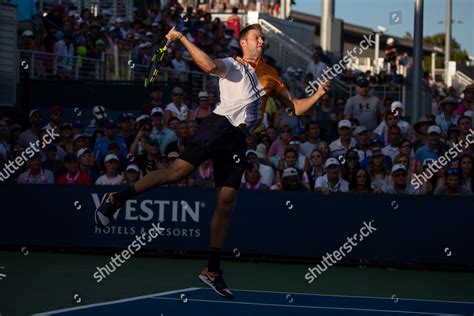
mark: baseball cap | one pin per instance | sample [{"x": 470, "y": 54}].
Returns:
[
  {"x": 434, "y": 129},
  {"x": 177, "y": 90},
  {"x": 70, "y": 157},
  {"x": 331, "y": 162},
  {"x": 390, "y": 40},
  {"x": 110, "y": 157},
  {"x": 149, "y": 33},
  {"x": 344, "y": 123},
  {"x": 124, "y": 117},
  {"x": 27, "y": 33},
  {"x": 362, "y": 82},
  {"x": 261, "y": 151},
  {"x": 360, "y": 129},
  {"x": 289, "y": 172},
  {"x": 173, "y": 154},
  {"x": 155, "y": 24},
  {"x": 377, "y": 152},
  {"x": 133, "y": 167},
  {"x": 157, "y": 111},
  {"x": 32, "y": 112},
  {"x": 99, "y": 42},
  {"x": 250, "y": 151},
  {"x": 203, "y": 95},
  {"x": 77, "y": 136},
  {"x": 142, "y": 118},
  {"x": 397, "y": 105},
  {"x": 99, "y": 112},
  {"x": 82, "y": 151},
  {"x": 398, "y": 167},
  {"x": 152, "y": 141},
  {"x": 427, "y": 161}
]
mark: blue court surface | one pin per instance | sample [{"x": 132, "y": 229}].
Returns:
[{"x": 201, "y": 301}]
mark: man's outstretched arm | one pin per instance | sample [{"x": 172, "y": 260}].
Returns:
[
  {"x": 301, "y": 106},
  {"x": 201, "y": 59}
]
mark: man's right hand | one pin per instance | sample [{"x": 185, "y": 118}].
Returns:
[{"x": 173, "y": 35}]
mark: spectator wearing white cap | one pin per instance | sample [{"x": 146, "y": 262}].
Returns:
[
  {"x": 86, "y": 163},
  {"x": 398, "y": 110},
  {"x": 447, "y": 117},
  {"x": 361, "y": 136},
  {"x": 345, "y": 141},
  {"x": 99, "y": 120},
  {"x": 160, "y": 132},
  {"x": 111, "y": 176},
  {"x": 366, "y": 109},
  {"x": 290, "y": 181},
  {"x": 433, "y": 149},
  {"x": 400, "y": 180},
  {"x": 203, "y": 109},
  {"x": 267, "y": 175},
  {"x": 79, "y": 141},
  {"x": 176, "y": 107},
  {"x": 31, "y": 134},
  {"x": 132, "y": 174},
  {"x": 331, "y": 182}
]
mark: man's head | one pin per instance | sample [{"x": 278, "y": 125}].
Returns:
[
  {"x": 35, "y": 118},
  {"x": 182, "y": 130},
  {"x": 34, "y": 164},
  {"x": 362, "y": 86},
  {"x": 125, "y": 122},
  {"x": 79, "y": 141},
  {"x": 464, "y": 124},
  {"x": 452, "y": 179},
  {"x": 253, "y": 176},
  {"x": 345, "y": 129},
  {"x": 468, "y": 93},
  {"x": 152, "y": 146},
  {"x": 132, "y": 173},
  {"x": 110, "y": 127},
  {"x": 434, "y": 135},
  {"x": 85, "y": 157},
  {"x": 332, "y": 167},
  {"x": 290, "y": 179},
  {"x": 361, "y": 135},
  {"x": 177, "y": 95},
  {"x": 56, "y": 115},
  {"x": 111, "y": 162},
  {"x": 203, "y": 97},
  {"x": 173, "y": 123},
  {"x": 192, "y": 128},
  {"x": 252, "y": 41},
  {"x": 312, "y": 130},
  {"x": 399, "y": 174},
  {"x": 395, "y": 135},
  {"x": 448, "y": 105},
  {"x": 70, "y": 163},
  {"x": 157, "y": 117},
  {"x": 390, "y": 119}
]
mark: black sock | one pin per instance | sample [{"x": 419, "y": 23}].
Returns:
[
  {"x": 121, "y": 197},
  {"x": 214, "y": 263}
]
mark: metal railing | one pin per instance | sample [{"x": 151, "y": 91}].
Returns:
[{"x": 41, "y": 65}]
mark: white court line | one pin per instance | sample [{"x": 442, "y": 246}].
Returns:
[
  {"x": 303, "y": 306},
  {"x": 117, "y": 301},
  {"x": 352, "y": 296}
]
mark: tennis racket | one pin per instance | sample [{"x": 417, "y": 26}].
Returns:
[{"x": 155, "y": 64}]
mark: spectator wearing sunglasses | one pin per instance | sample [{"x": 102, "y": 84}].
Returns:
[
  {"x": 452, "y": 186},
  {"x": 176, "y": 108},
  {"x": 400, "y": 182}
]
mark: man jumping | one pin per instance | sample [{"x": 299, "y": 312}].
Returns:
[{"x": 245, "y": 84}]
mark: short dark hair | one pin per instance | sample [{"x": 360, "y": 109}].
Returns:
[{"x": 244, "y": 32}]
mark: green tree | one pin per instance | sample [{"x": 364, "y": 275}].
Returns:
[{"x": 458, "y": 54}]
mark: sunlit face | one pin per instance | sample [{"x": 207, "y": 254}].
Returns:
[{"x": 253, "y": 44}]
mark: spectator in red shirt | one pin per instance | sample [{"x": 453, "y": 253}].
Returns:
[{"x": 73, "y": 174}]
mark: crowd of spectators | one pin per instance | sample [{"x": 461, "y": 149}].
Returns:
[{"x": 359, "y": 145}]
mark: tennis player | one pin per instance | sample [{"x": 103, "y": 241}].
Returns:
[{"x": 245, "y": 84}]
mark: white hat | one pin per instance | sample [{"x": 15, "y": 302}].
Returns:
[
  {"x": 427, "y": 161},
  {"x": 77, "y": 136},
  {"x": 27, "y": 33},
  {"x": 110, "y": 157},
  {"x": 469, "y": 113},
  {"x": 119, "y": 20},
  {"x": 360, "y": 129},
  {"x": 397, "y": 105},
  {"x": 82, "y": 151},
  {"x": 398, "y": 167},
  {"x": 344, "y": 123},
  {"x": 173, "y": 154},
  {"x": 155, "y": 24},
  {"x": 157, "y": 110},
  {"x": 331, "y": 162},
  {"x": 289, "y": 172},
  {"x": 390, "y": 41},
  {"x": 434, "y": 129},
  {"x": 261, "y": 151},
  {"x": 99, "y": 112},
  {"x": 149, "y": 33},
  {"x": 133, "y": 167},
  {"x": 251, "y": 151},
  {"x": 142, "y": 117},
  {"x": 33, "y": 112},
  {"x": 203, "y": 95}
]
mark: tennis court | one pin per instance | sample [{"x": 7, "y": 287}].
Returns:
[{"x": 62, "y": 284}]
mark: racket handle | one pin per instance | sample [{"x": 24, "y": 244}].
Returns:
[{"x": 167, "y": 43}]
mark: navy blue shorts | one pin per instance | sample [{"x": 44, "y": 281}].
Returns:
[{"x": 219, "y": 140}]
